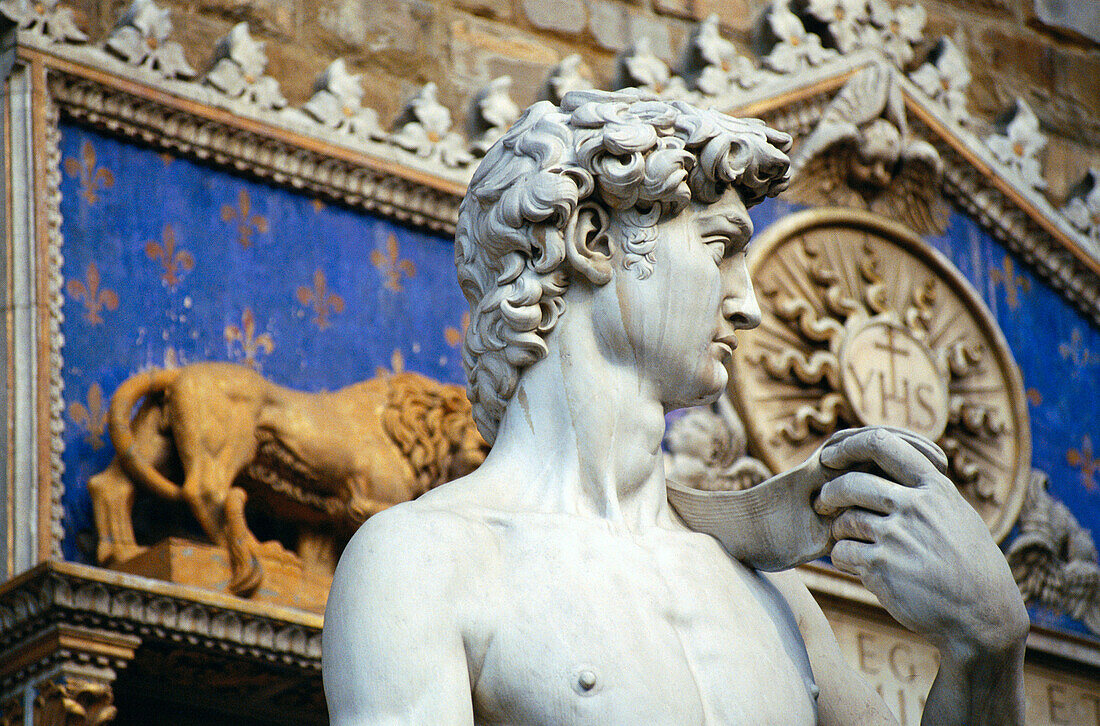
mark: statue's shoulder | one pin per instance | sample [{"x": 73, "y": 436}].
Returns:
[{"x": 415, "y": 540}]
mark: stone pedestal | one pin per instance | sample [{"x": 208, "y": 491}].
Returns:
[{"x": 191, "y": 563}]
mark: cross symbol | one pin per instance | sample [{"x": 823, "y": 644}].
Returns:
[{"x": 892, "y": 350}]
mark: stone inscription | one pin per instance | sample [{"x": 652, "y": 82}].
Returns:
[
  {"x": 902, "y": 667},
  {"x": 890, "y": 378},
  {"x": 1061, "y": 699},
  {"x": 899, "y": 665}
]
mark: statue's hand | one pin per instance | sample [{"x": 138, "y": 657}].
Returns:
[
  {"x": 903, "y": 528},
  {"x": 773, "y": 526}
]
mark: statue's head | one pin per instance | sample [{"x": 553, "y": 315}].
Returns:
[{"x": 622, "y": 160}]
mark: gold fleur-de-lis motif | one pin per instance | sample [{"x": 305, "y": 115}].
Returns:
[
  {"x": 245, "y": 334},
  {"x": 455, "y": 336},
  {"x": 1006, "y": 275},
  {"x": 397, "y": 365},
  {"x": 1034, "y": 396},
  {"x": 1074, "y": 351},
  {"x": 1085, "y": 460},
  {"x": 318, "y": 205},
  {"x": 245, "y": 219},
  {"x": 171, "y": 259},
  {"x": 93, "y": 416},
  {"x": 94, "y": 299},
  {"x": 321, "y": 300},
  {"x": 92, "y": 178},
  {"x": 391, "y": 265}
]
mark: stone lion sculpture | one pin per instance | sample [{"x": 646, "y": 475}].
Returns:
[{"x": 326, "y": 461}]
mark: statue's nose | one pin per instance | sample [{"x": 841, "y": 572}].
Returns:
[
  {"x": 743, "y": 313},
  {"x": 739, "y": 306}
]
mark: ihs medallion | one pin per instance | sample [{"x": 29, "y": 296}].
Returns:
[{"x": 866, "y": 325}]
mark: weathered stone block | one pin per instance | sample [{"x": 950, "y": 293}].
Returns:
[
  {"x": 734, "y": 14},
  {"x": 497, "y": 9},
  {"x": 658, "y": 32},
  {"x": 1081, "y": 18},
  {"x": 679, "y": 8},
  {"x": 609, "y": 24},
  {"x": 560, "y": 16},
  {"x": 346, "y": 19},
  {"x": 480, "y": 50}
]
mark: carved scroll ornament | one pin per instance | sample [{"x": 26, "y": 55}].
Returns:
[
  {"x": 707, "y": 449},
  {"x": 1054, "y": 559},
  {"x": 73, "y": 702}
]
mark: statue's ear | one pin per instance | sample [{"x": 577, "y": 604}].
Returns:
[{"x": 587, "y": 244}]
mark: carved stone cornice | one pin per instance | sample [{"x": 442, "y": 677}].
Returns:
[
  {"x": 76, "y": 609},
  {"x": 273, "y": 151},
  {"x": 788, "y": 84},
  {"x": 92, "y": 655},
  {"x": 1017, "y": 216}
]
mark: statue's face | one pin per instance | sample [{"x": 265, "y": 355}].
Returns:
[{"x": 677, "y": 324}]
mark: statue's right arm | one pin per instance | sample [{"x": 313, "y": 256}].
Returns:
[{"x": 392, "y": 651}]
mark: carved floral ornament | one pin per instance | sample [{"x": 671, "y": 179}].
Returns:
[
  {"x": 863, "y": 325},
  {"x": 712, "y": 71}
]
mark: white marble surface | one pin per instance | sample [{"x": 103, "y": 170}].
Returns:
[{"x": 556, "y": 585}]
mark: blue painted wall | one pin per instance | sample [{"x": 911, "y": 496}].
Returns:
[{"x": 170, "y": 262}]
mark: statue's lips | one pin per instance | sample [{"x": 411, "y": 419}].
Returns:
[{"x": 728, "y": 343}]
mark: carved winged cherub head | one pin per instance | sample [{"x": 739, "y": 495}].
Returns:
[{"x": 621, "y": 155}]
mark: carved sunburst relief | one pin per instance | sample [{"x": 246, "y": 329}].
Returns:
[{"x": 864, "y": 324}]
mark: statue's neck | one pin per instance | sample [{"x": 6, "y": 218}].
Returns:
[{"x": 582, "y": 435}]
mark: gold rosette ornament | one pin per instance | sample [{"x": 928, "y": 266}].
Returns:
[{"x": 863, "y": 325}]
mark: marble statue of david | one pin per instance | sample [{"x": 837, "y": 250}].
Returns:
[{"x": 601, "y": 246}]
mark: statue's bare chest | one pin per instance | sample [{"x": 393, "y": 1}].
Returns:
[{"x": 582, "y": 626}]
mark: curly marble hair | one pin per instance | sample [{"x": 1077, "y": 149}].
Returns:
[{"x": 644, "y": 159}]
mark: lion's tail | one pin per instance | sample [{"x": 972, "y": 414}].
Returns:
[{"x": 131, "y": 391}]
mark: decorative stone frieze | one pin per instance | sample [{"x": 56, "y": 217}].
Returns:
[
  {"x": 424, "y": 128},
  {"x": 140, "y": 38},
  {"x": 1083, "y": 208},
  {"x": 73, "y": 702},
  {"x": 1054, "y": 559},
  {"x": 66, "y": 630},
  {"x": 1019, "y": 144},
  {"x": 861, "y": 154},
  {"x": 55, "y": 301},
  {"x": 355, "y": 182},
  {"x": 336, "y": 104},
  {"x": 945, "y": 78},
  {"x": 638, "y": 66},
  {"x": 713, "y": 66},
  {"x": 44, "y": 19},
  {"x": 566, "y": 76},
  {"x": 491, "y": 113},
  {"x": 151, "y": 611},
  {"x": 707, "y": 449},
  {"x": 238, "y": 72},
  {"x": 858, "y": 24},
  {"x": 795, "y": 48}
]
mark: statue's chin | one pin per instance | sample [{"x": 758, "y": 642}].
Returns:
[{"x": 706, "y": 392}]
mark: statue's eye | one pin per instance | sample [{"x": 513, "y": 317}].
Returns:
[{"x": 717, "y": 247}]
